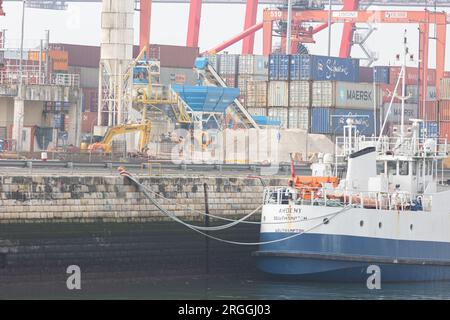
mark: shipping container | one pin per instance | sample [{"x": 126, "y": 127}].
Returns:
[
  {"x": 444, "y": 110},
  {"x": 279, "y": 67},
  {"x": 299, "y": 118},
  {"x": 412, "y": 75},
  {"x": 444, "y": 129},
  {"x": 363, "y": 120},
  {"x": 213, "y": 61},
  {"x": 344, "y": 95},
  {"x": 381, "y": 74},
  {"x": 256, "y": 94},
  {"x": 257, "y": 111},
  {"x": 230, "y": 80},
  {"x": 90, "y": 99},
  {"x": 394, "y": 116},
  {"x": 366, "y": 74},
  {"x": 429, "y": 129},
  {"x": 430, "y": 112},
  {"x": 88, "y": 76},
  {"x": 445, "y": 89},
  {"x": 253, "y": 65},
  {"x": 278, "y": 94},
  {"x": 321, "y": 120},
  {"x": 88, "y": 121},
  {"x": 228, "y": 64},
  {"x": 279, "y": 113},
  {"x": 300, "y": 93},
  {"x": 321, "y": 68}
]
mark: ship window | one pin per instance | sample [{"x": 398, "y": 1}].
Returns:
[
  {"x": 404, "y": 168},
  {"x": 392, "y": 168},
  {"x": 380, "y": 168}
]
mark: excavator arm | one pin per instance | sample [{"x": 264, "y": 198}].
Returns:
[{"x": 105, "y": 145}]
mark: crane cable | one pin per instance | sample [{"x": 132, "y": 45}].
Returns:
[{"x": 198, "y": 229}]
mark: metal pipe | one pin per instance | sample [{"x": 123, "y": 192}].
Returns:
[
  {"x": 329, "y": 28},
  {"x": 289, "y": 28},
  {"x": 21, "y": 43}
]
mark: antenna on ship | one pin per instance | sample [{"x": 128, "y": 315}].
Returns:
[{"x": 403, "y": 97}]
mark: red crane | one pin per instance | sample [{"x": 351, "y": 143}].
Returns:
[{"x": 2, "y": 13}]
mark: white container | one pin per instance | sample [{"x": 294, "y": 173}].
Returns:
[
  {"x": 445, "y": 89},
  {"x": 346, "y": 95},
  {"x": 228, "y": 63},
  {"x": 278, "y": 94},
  {"x": 299, "y": 93},
  {"x": 256, "y": 93},
  {"x": 280, "y": 114},
  {"x": 299, "y": 118},
  {"x": 253, "y": 65},
  {"x": 257, "y": 111}
]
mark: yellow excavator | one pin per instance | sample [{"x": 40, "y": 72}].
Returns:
[{"x": 105, "y": 146}]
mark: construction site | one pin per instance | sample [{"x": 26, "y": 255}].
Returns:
[{"x": 190, "y": 122}]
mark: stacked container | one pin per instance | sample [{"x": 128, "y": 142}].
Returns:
[{"x": 444, "y": 108}]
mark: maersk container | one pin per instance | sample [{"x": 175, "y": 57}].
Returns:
[
  {"x": 321, "y": 68},
  {"x": 321, "y": 120},
  {"x": 278, "y": 94},
  {"x": 381, "y": 74},
  {"x": 300, "y": 93},
  {"x": 429, "y": 129},
  {"x": 363, "y": 120},
  {"x": 341, "y": 94},
  {"x": 356, "y": 95},
  {"x": 279, "y": 113},
  {"x": 299, "y": 118},
  {"x": 395, "y": 114},
  {"x": 253, "y": 65},
  {"x": 279, "y": 67}
]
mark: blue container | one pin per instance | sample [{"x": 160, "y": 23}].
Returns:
[
  {"x": 321, "y": 120},
  {"x": 300, "y": 67},
  {"x": 323, "y": 68},
  {"x": 362, "y": 120},
  {"x": 429, "y": 129},
  {"x": 279, "y": 67},
  {"x": 381, "y": 74},
  {"x": 265, "y": 121},
  {"x": 274, "y": 63}
]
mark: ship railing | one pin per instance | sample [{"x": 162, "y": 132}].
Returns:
[
  {"x": 437, "y": 147},
  {"x": 395, "y": 201}
]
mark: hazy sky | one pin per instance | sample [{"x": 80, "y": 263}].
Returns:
[{"x": 81, "y": 25}]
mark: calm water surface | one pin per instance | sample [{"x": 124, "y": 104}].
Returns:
[{"x": 224, "y": 288}]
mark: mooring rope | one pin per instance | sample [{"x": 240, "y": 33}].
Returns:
[
  {"x": 234, "y": 220},
  {"x": 199, "y": 229}
]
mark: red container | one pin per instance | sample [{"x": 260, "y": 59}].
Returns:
[
  {"x": 412, "y": 75},
  {"x": 230, "y": 80},
  {"x": 90, "y": 99},
  {"x": 444, "y": 110},
  {"x": 88, "y": 120},
  {"x": 386, "y": 91},
  {"x": 444, "y": 129},
  {"x": 429, "y": 113}
]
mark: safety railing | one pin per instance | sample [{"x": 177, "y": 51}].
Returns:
[
  {"x": 38, "y": 78},
  {"x": 437, "y": 147},
  {"x": 396, "y": 201}
]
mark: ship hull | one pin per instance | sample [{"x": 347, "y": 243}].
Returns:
[{"x": 340, "y": 258}]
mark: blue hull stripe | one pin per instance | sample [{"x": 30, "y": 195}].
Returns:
[{"x": 308, "y": 267}]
